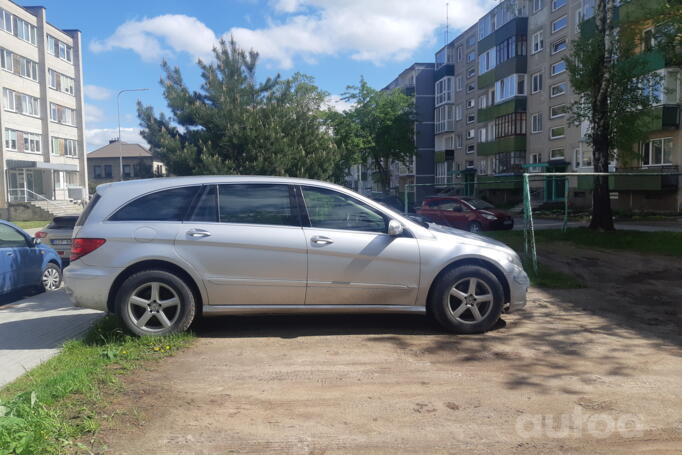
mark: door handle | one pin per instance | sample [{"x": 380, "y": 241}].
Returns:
[
  {"x": 198, "y": 233},
  {"x": 10, "y": 254},
  {"x": 321, "y": 240}
]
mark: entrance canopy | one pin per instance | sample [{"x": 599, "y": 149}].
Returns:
[{"x": 22, "y": 164}]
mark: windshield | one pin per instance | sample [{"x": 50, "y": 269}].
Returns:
[{"x": 479, "y": 204}]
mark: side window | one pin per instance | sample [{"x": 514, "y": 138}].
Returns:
[
  {"x": 256, "y": 204},
  {"x": 11, "y": 238},
  {"x": 166, "y": 205},
  {"x": 333, "y": 210},
  {"x": 207, "y": 206}
]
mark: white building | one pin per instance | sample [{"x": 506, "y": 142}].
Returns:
[{"x": 43, "y": 147}]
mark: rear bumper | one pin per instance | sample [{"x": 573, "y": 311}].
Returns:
[{"x": 89, "y": 287}]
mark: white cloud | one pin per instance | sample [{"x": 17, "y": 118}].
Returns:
[
  {"x": 368, "y": 30},
  {"x": 95, "y": 92},
  {"x": 337, "y": 103},
  {"x": 156, "y": 37},
  {"x": 99, "y": 137},
  {"x": 93, "y": 114}
]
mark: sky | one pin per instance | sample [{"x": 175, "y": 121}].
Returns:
[{"x": 335, "y": 41}]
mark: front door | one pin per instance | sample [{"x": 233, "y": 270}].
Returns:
[
  {"x": 351, "y": 258},
  {"x": 246, "y": 242},
  {"x": 21, "y": 262}
]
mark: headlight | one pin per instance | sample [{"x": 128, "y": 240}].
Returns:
[{"x": 488, "y": 217}]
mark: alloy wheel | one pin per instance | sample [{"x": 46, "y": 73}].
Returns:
[
  {"x": 470, "y": 300},
  {"x": 154, "y": 307}
]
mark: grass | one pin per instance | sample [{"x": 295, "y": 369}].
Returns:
[
  {"x": 30, "y": 225},
  {"x": 50, "y": 408}
]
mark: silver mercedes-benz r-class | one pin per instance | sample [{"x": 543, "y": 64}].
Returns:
[{"x": 157, "y": 252}]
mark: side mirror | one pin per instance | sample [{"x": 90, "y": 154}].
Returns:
[
  {"x": 395, "y": 228},
  {"x": 36, "y": 241}
]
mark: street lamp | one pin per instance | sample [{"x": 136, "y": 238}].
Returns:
[{"x": 118, "y": 113}]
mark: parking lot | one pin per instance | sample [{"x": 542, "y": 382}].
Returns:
[{"x": 592, "y": 370}]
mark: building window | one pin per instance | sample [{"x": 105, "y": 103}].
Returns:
[
  {"x": 557, "y": 111},
  {"x": 538, "y": 5},
  {"x": 460, "y": 83},
  {"x": 486, "y": 61},
  {"x": 559, "y": 24},
  {"x": 556, "y": 4},
  {"x": 458, "y": 112},
  {"x": 537, "y": 42},
  {"x": 482, "y": 167},
  {"x": 471, "y": 118},
  {"x": 513, "y": 124},
  {"x": 556, "y": 154},
  {"x": 557, "y": 132},
  {"x": 460, "y": 53},
  {"x": 444, "y": 90},
  {"x": 32, "y": 142},
  {"x": 127, "y": 171},
  {"x": 558, "y": 67},
  {"x": 583, "y": 158},
  {"x": 471, "y": 40},
  {"x": 64, "y": 147},
  {"x": 471, "y": 103},
  {"x": 97, "y": 171},
  {"x": 459, "y": 141},
  {"x": 471, "y": 88},
  {"x": 471, "y": 133},
  {"x": 21, "y": 66},
  {"x": 536, "y": 83},
  {"x": 558, "y": 46},
  {"x": 21, "y": 103},
  {"x": 59, "y": 49},
  {"x": 107, "y": 171},
  {"x": 510, "y": 48},
  {"x": 471, "y": 57},
  {"x": 482, "y": 135},
  {"x": 657, "y": 152},
  {"x": 60, "y": 82},
  {"x": 482, "y": 101},
  {"x": 18, "y": 27},
  {"x": 471, "y": 148},
  {"x": 510, "y": 87},
  {"x": 10, "y": 139},
  {"x": 536, "y": 123},
  {"x": 63, "y": 115},
  {"x": 557, "y": 89},
  {"x": 471, "y": 72}
]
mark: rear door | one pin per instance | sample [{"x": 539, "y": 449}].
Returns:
[
  {"x": 351, "y": 258},
  {"x": 246, "y": 242}
]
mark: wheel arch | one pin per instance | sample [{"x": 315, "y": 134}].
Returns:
[
  {"x": 486, "y": 264},
  {"x": 154, "y": 264}
]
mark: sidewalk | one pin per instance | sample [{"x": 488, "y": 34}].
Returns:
[{"x": 33, "y": 330}]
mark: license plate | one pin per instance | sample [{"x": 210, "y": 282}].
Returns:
[{"x": 61, "y": 242}]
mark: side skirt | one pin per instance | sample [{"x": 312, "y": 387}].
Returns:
[{"x": 216, "y": 310}]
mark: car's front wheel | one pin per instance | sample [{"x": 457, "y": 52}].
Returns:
[
  {"x": 155, "y": 302},
  {"x": 475, "y": 227},
  {"x": 52, "y": 277},
  {"x": 467, "y": 299}
]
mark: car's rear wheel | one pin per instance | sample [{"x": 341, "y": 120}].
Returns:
[
  {"x": 475, "y": 227},
  {"x": 155, "y": 302},
  {"x": 52, "y": 277},
  {"x": 467, "y": 299}
]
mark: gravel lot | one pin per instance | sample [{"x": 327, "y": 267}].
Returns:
[{"x": 607, "y": 359}]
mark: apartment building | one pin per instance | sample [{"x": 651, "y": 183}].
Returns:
[
  {"x": 502, "y": 92},
  {"x": 417, "y": 176},
  {"x": 43, "y": 147}
]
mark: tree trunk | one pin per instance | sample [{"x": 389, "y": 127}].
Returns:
[{"x": 602, "y": 218}]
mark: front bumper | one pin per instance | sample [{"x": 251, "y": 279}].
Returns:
[
  {"x": 88, "y": 287},
  {"x": 518, "y": 288}
]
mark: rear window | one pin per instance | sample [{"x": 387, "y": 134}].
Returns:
[
  {"x": 63, "y": 222},
  {"x": 166, "y": 205},
  {"x": 86, "y": 213}
]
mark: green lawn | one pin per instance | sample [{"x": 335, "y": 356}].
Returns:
[
  {"x": 30, "y": 225},
  {"x": 52, "y": 406}
]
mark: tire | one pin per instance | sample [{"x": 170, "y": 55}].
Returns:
[
  {"x": 155, "y": 302},
  {"x": 51, "y": 278},
  {"x": 475, "y": 227},
  {"x": 456, "y": 313}
]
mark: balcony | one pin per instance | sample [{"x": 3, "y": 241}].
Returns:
[
  {"x": 446, "y": 70},
  {"x": 517, "y": 104},
  {"x": 517, "y": 26},
  {"x": 644, "y": 182},
  {"x": 666, "y": 117},
  {"x": 501, "y": 145},
  {"x": 514, "y": 65}
]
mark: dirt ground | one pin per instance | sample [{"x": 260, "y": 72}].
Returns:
[{"x": 606, "y": 359}]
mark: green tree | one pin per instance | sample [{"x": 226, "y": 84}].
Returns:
[
  {"x": 236, "y": 125},
  {"x": 378, "y": 129},
  {"x": 614, "y": 92}
]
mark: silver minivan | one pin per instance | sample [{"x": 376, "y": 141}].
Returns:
[{"x": 158, "y": 252}]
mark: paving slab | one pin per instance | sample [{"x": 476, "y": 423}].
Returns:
[{"x": 33, "y": 329}]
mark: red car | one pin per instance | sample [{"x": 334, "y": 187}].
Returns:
[{"x": 465, "y": 213}]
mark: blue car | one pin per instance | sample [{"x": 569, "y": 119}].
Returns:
[{"x": 26, "y": 264}]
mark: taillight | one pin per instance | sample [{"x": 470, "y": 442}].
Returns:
[
  {"x": 81, "y": 247},
  {"x": 40, "y": 235}
]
